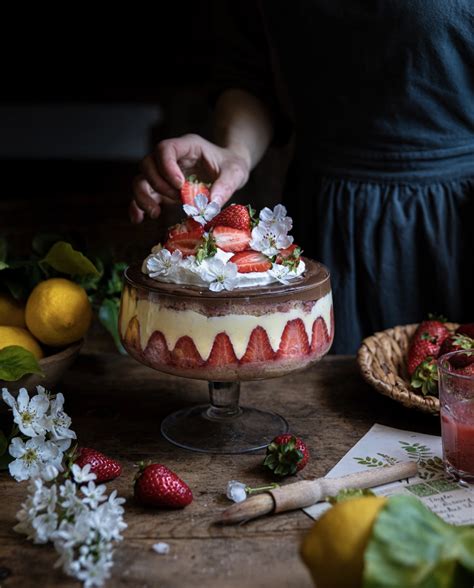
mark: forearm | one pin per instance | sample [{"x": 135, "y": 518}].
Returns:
[{"x": 243, "y": 124}]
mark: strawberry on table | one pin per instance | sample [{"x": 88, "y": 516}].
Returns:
[
  {"x": 191, "y": 188},
  {"x": 156, "y": 485},
  {"x": 251, "y": 261},
  {"x": 426, "y": 342},
  {"x": 104, "y": 467},
  {"x": 286, "y": 455},
  {"x": 236, "y": 216},
  {"x": 230, "y": 239}
]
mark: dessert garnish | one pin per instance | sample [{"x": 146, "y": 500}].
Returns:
[{"x": 226, "y": 249}]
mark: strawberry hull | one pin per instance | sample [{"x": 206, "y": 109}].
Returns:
[{"x": 230, "y": 335}]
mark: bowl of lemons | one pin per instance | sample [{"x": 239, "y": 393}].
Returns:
[{"x": 41, "y": 338}]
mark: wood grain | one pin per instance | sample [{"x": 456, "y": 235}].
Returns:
[{"x": 117, "y": 405}]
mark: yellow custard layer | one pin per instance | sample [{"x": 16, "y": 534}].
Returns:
[{"x": 173, "y": 324}]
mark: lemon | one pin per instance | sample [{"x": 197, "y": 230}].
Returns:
[
  {"x": 12, "y": 313},
  {"x": 58, "y": 312},
  {"x": 334, "y": 548},
  {"x": 18, "y": 336}
]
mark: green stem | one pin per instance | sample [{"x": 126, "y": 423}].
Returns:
[{"x": 250, "y": 490}]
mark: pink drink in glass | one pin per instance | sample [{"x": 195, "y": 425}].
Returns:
[{"x": 456, "y": 389}]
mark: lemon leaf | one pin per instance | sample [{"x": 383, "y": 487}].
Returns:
[
  {"x": 15, "y": 362},
  {"x": 63, "y": 258},
  {"x": 109, "y": 317},
  {"x": 412, "y": 547}
]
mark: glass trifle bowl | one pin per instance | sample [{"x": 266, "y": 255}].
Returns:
[{"x": 226, "y": 338}]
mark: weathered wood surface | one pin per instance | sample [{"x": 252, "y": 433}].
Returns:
[{"x": 117, "y": 405}]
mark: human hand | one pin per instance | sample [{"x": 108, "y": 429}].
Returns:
[{"x": 164, "y": 172}]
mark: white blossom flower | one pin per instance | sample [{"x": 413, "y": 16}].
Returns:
[
  {"x": 161, "y": 548},
  {"x": 220, "y": 275},
  {"x": 280, "y": 272},
  {"x": 45, "y": 526},
  {"x": 28, "y": 414},
  {"x": 277, "y": 215},
  {"x": 236, "y": 491},
  {"x": 203, "y": 211},
  {"x": 50, "y": 472},
  {"x": 163, "y": 263},
  {"x": 32, "y": 457},
  {"x": 57, "y": 424},
  {"x": 82, "y": 475},
  {"x": 94, "y": 495},
  {"x": 269, "y": 238}
]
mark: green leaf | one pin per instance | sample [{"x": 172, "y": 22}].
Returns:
[
  {"x": 411, "y": 547},
  {"x": 15, "y": 362},
  {"x": 115, "y": 282},
  {"x": 349, "y": 494},
  {"x": 3, "y": 265},
  {"x": 42, "y": 242},
  {"x": 63, "y": 258},
  {"x": 108, "y": 316}
]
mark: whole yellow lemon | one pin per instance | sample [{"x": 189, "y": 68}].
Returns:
[
  {"x": 18, "y": 336},
  {"x": 12, "y": 312},
  {"x": 58, "y": 312},
  {"x": 334, "y": 548}
]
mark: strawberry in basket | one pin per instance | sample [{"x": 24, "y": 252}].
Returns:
[{"x": 426, "y": 343}]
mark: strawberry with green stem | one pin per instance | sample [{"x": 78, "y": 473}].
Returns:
[{"x": 286, "y": 455}]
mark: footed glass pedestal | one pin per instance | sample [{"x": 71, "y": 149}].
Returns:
[{"x": 223, "y": 426}]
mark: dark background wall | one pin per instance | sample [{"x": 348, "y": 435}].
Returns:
[{"x": 85, "y": 95}]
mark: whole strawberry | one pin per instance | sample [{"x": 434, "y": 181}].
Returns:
[
  {"x": 156, "y": 485},
  {"x": 457, "y": 342},
  {"x": 286, "y": 455},
  {"x": 104, "y": 467},
  {"x": 425, "y": 377},
  {"x": 426, "y": 342},
  {"x": 236, "y": 216}
]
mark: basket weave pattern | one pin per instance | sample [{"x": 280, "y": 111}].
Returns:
[{"x": 381, "y": 360}]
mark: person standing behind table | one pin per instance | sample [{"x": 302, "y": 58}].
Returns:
[{"x": 380, "y": 99}]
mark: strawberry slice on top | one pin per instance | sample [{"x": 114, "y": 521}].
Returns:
[
  {"x": 187, "y": 243},
  {"x": 236, "y": 216},
  {"x": 187, "y": 226},
  {"x": 291, "y": 253},
  {"x": 230, "y": 239},
  {"x": 191, "y": 188},
  {"x": 251, "y": 261}
]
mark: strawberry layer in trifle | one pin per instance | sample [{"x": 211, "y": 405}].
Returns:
[{"x": 228, "y": 296}]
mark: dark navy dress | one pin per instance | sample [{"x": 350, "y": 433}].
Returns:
[{"x": 379, "y": 97}]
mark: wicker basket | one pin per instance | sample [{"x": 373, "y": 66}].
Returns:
[{"x": 381, "y": 360}]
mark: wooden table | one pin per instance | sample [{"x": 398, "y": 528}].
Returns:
[{"x": 117, "y": 405}]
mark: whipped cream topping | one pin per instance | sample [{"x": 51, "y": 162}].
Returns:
[
  {"x": 212, "y": 267},
  {"x": 189, "y": 272}
]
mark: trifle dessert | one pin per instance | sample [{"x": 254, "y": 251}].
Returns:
[{"x": 228, "y": 296}]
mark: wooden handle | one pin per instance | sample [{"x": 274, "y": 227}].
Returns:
[{"x": 308, "y": 492}]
